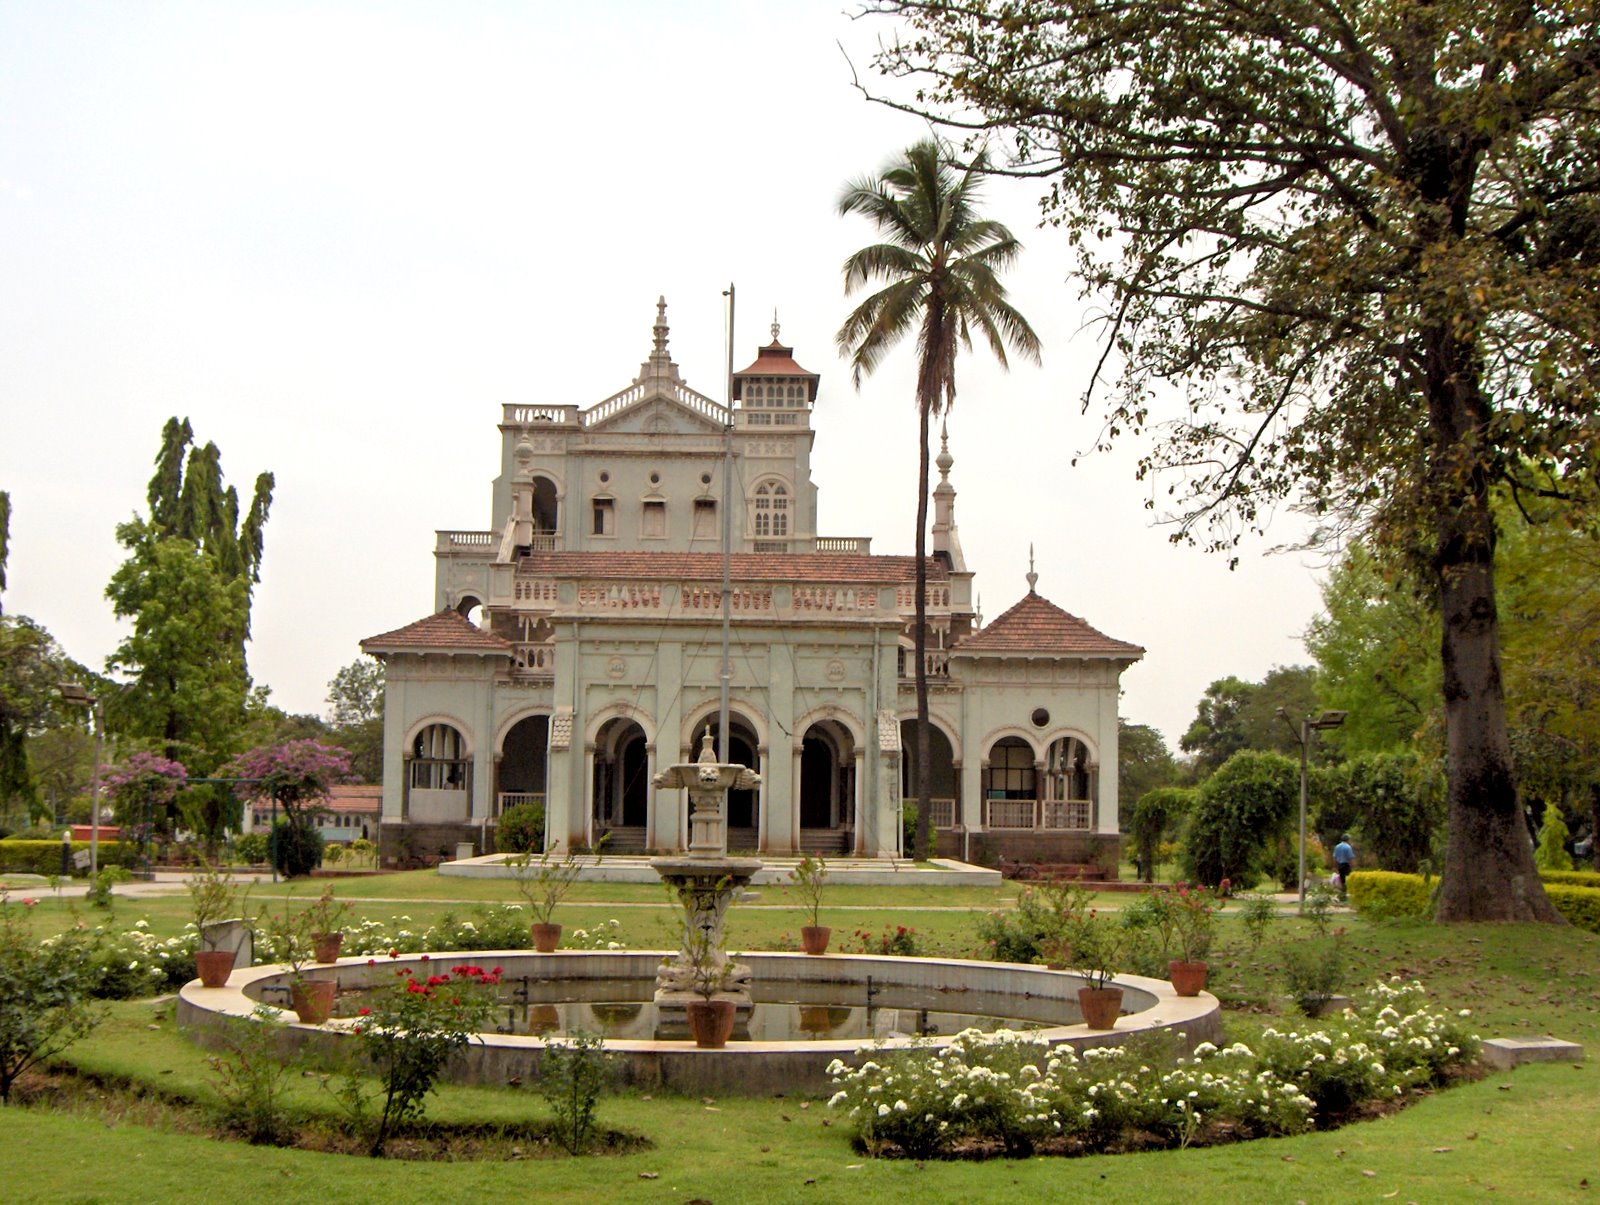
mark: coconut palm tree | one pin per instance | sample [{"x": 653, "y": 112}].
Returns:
[{"x": 939, "y": 266}]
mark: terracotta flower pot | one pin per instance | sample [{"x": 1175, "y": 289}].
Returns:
[
  {"x": 711, "y": 1022},
  {"x": 213, "y": 967},
  {"x": 312, "y": 999},
  {"x": 325, "y": 946},
  {"x": 814, "y": 938},
  {"x": 1101, "y": 1006},
  {"x": 546, "y": 938},
  {"x": 1187, "y": 978}
]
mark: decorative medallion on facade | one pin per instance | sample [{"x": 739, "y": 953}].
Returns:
[
  {"x": 561, "y": 729},
  {"x": 616, "y": 667},
  {"x": 835, "y": 670},
  {"x": 888, "y": 731}
]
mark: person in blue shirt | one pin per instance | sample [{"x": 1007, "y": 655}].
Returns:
[{"x": 1343, "y": 858}]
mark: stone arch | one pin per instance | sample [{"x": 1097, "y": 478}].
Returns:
[
  {"x": 512, "y": 720},
  {"x": 995, "y": 735},
  {"x": 845, "y": 718},
  {"x": 826, "y": 804},
  {"x": 620, "y": 787},
  {"x": 613, "y": 711},
  {"x": 939, "y": 722},
  {"x": 747, "y": 738},
  {"x": 439, "y": 717},
  {"x": 545, "y": 503},
  {"x": 696, "y": 720}
]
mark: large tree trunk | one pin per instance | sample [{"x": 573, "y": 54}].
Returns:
[
  {"x": 1489, "y": 873},
  {"x": 920, "y": 644}
]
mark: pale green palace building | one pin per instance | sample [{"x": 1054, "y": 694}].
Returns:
[{"x": 573, "y": 650}]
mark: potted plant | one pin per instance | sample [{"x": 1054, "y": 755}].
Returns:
[
  {"x": 1095, "y": 944},
  {"x": 1194, "y": 922},
  {"x": 213, "y": 896},
  {"x": 289, "y": 934},
  {"x": 711, "y": 1016},
  {"x": 322, "y": 923},
  {"x": 544, "y": 883},
  {"x": 810, "y": 879}
]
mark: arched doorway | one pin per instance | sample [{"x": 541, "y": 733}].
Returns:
[
  {"x": 827, "y": 789},
  {"x": 621, "y": 788},
  {"x": 1068, "y": 789},
  {"x": 545, "y": 514},
  {"x": 743, "y": 819},
  {"x": 524, "y": 759},
  {"x": 942, "y": 784},
  {"x": 1010, "y": 785}
]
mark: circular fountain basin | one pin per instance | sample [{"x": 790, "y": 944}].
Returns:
[{"x": 809, "y": 1011}]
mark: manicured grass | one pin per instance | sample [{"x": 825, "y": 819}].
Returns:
[{"x": 1528, "y": 1135}]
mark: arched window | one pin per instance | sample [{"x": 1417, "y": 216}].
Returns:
[
  {"x": 439, "y": 759},
  {"x": 771, "y": 510}
]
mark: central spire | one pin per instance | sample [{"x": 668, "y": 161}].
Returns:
[
  {"x": 774, "y": 324},
  {"x": 660, "y": 330}
]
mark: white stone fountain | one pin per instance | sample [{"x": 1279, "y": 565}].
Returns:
[{"x": 706, "y": 880}]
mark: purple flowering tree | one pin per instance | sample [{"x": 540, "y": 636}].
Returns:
[
  {"x": 298, "y": 775},
  {"x": 142, "y": 791}
]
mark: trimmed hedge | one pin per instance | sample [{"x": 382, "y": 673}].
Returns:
[
  {"x": 1385, "y": 893},
  {"x": 1580, "y": 905},
  {"x": 1572, "y": 878},
  {"x": 44, "y": 857}
]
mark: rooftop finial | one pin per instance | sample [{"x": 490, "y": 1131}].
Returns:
[
  {"x": 1033, "y": 578},
  {"x": 774, "y": 324},
  {"x": 944, "y": 460},
  {"x": 660, "y": 328}
]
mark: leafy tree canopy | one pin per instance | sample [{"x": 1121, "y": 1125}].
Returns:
[
  {"x": 1360, "y": 242},
  {"x": 1234, "y": 715}
]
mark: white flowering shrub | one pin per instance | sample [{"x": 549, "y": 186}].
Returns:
[
  {"x": 125, "y": 963},
  {"x": 1013, "y": 1089}
]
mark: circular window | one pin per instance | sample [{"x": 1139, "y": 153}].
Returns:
[
  {"x": 1040, "y": 717},
  {"x": 655, "y": 478},
  {"x": 604, "y": 476},
  {"x": 705, "y": 478}
]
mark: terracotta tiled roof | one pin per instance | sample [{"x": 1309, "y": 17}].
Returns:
[
  {"x": 448, "y": 631},
  {"x": 825, "y": 567},
  {"x": 775, "y": 360},
  {"x": 354, "y": 797},
  {"x": 1037, "y": 625}
]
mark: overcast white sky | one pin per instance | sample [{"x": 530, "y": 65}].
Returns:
[{"x": 338, "y": 236}]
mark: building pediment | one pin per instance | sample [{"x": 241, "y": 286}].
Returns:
[{"x": 657, "y": 411}]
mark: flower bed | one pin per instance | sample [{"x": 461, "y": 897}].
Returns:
[{"x": 1009, "y": 1093}]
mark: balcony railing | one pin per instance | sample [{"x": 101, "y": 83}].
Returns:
[
  {"x": 512, "y": 799},
  {"x": 943, "y": 812},
  {"x": 1045, "y": 815}
]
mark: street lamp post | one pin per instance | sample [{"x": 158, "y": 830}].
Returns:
[
  {"x": 1308, "y": 724},
  {"x": 77, "y": 696}
]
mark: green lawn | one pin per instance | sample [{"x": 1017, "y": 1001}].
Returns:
[{"x": 1527, "y": 1136}]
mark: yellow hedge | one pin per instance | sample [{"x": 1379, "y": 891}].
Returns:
[{"x": 1385, "y": 893}]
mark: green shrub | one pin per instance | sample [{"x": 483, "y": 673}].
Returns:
[
  {"x": 1552, "y": 851},
  {"x": 252, "y": 1081},
  {"x": 1377, "y": 894},
  {"x": 521, "y": 829},
  {"x": 250, "y": 848},
  {"x": 1314, "y": 972},
  {"x": 1580, "y": 905},
  {"x": 572, "y": 1074},
  {"x": 45, "y": 1001},
  {"x": 44, "y": 857},
  {"x": 294, "y": 849},
  {"x": 1239, "y": 825},
  {"x": 1156, "y": 817},
  {"x": 1572, "y": 878}
]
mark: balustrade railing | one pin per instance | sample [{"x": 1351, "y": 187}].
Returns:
[
  {"x": 534, "y": 660},
  {"x": 943, "y": 812},
  {"x": 511, "y": 799},
  {"x": 853, "y": 545},
  {"x": 1049, "y": 815}
]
